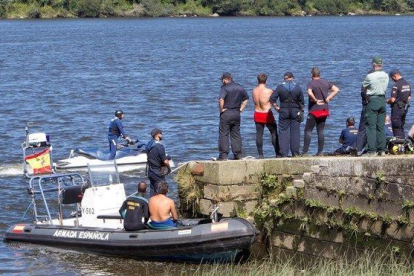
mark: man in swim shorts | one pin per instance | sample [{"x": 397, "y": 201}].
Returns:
[
  {"x": 263, "y": 115},
  {"x": 162, "y": 209}
]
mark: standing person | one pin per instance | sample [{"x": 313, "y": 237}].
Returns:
[
  {"x": 263, "y": 115},
  {"x": 290, "y": 110},
  {"x": 375, "y": 85},
  {"x": 361, "y": 140},
  {"x": 134, "y": 210},
  {"x": 232, "y": 100},
  {"x": 158, "y": 160},
  {"x": 348, "y": 137},
  {"x": 399, "y": 101},
  {"x": 116, "y": 130},
  {"x": 319, "y": 97}
]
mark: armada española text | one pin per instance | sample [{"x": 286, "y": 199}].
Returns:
[{"x": 81, "y": 235}]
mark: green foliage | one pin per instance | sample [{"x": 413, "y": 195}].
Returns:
[
  {"x": 88, "y": 8},
  {"x": 157, "y": 8}
]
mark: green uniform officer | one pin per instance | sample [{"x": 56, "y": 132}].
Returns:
[{"x": 375, "y": 85}]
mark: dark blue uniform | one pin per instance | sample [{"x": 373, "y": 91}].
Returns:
[
  {"x": 115, "y": 130},
  {"x": 156, "y": 156},
  {"x": 233, "y": 95},
  {"x": 291, "y": 102},
  {"x": 133, "y": 210},
  {"x": 361, "y": 140},
  {"x": 401, "y": 91},
  {"x": 348, "y": 138}
]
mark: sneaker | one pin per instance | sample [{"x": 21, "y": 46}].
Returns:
[
  {"x": 371, "y": 154},
  {"x": 382, "y": 153},
  {"x": 304, "y": 154},
  {"x": 261, "y": 156},
  {"x": 320, "y": 154}
]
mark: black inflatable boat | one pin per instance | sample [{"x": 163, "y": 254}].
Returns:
[{"x": 92, "y": 226}]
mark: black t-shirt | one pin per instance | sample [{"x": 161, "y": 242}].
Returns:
[
  {"x": 320, "y": 89},
  {"x": 401, "y": 90},
  {"x": 135, "y": 208},
  {"x": 233, "y": 95}
]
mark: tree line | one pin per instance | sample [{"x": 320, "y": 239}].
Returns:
[{"x": 159, "y": 8}]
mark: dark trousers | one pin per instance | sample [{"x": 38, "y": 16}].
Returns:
[
  {"x": 259, "y": 137},
  {"x": 361, "y": 140},
  {"x": 230, "y": 126},
  {"x": 154, "y": 180},
  {"x": 112, "y": 147},
  {"x": 311, "y": 122},
  {"x": 289, "y": 132},
  {"x": 375, "y": 115},
  {"x": 398, "y": 121}
]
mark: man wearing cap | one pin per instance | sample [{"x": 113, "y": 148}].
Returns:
[
  {"x": 263, "y": 115},
  {"x": 291, "y": 100},
  {"x": 375, "y": 85},
  {"x": 348, "y": 137},
  {"x": 116, "y": 130},
  {"x": 320, "y": 93},
  {"x": 399, "y": 101},
  {"x": 157, "y": 161},
  {"x": 232, "y": 100}
]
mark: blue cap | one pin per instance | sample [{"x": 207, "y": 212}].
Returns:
[
  {"x": 226, "y": 75},
  {"x": 394, "y": 72},
  {"x": 155, "y": 132}
]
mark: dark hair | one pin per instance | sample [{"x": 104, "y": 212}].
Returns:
[
  {"x": 142, "y": 187},
  {"x": 350, "y": 121},
  {"x": 262, "y": 78},
  {"x": 162, "y": 187},
  {"x": 315, "y": 72}
]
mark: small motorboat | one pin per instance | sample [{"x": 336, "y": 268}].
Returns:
[{"x": 87, "y": 219}]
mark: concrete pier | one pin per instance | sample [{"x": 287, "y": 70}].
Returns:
[{"x": 321, "y": 206}]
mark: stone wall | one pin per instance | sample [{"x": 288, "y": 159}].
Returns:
[{"x": 317, "y": 206}]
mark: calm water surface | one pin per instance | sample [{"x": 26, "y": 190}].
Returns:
[{"x": 67, "y": 77}]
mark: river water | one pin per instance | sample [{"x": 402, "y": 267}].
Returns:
[{"x": 67, "y": 77}]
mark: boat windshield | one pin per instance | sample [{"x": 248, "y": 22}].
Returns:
[{"x": 103, "y": 174}]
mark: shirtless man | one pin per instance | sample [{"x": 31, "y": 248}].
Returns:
[
  {"x": 263, "y": 115},
  {"x": 162, "y": 209}
]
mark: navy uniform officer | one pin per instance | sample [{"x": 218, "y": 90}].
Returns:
[
  {"x": 291, "y": 103},
  {"x": 134, "y": 210},
  {"x": 232, "y": 100},
  {"x": 348, "y": 137},
  {"x": 157, "y": 161},
  {"x": 400, "y": 98},
  {"x": 115, "y": 131}
]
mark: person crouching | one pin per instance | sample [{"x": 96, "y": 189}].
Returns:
[{"x": 348, "y": 137}]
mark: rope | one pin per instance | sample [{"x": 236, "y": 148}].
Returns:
[
  {"x": 26, "y": 212},
  {"x": 180, "y": 166}
]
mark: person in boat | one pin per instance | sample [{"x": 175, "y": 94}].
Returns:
[
  {"x": 263, "y": 115},
  {"x": 348, "y": 138},
  {"x": 290, "y": 111},
  {"x": 134, "y": 210},
  {"x": 162, "y": 209},
  {"x": 115, "y": 131},
  {"x": 158, "y": 161},
  {"x": 232, "y": 101}
]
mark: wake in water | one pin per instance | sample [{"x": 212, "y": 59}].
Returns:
[{"x": 11, "y": 169}]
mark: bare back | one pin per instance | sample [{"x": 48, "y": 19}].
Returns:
[
  {"x": 161, "y": 208},
  {"x": 261, "y": 98}
]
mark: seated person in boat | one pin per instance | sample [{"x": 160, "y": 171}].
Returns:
[
  {"x": 134, "y": 210},
  {"x": 162, "y": 209}
]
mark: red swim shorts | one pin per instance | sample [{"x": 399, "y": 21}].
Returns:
[{"x": 264, "y": 117}]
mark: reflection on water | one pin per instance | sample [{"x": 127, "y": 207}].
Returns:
[{"x": 69, "y": 76}]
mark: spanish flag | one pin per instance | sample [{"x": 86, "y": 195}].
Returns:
[{"x": 40, "y": 162}]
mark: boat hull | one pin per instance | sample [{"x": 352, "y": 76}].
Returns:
[{"x": 221, "y": 241}]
